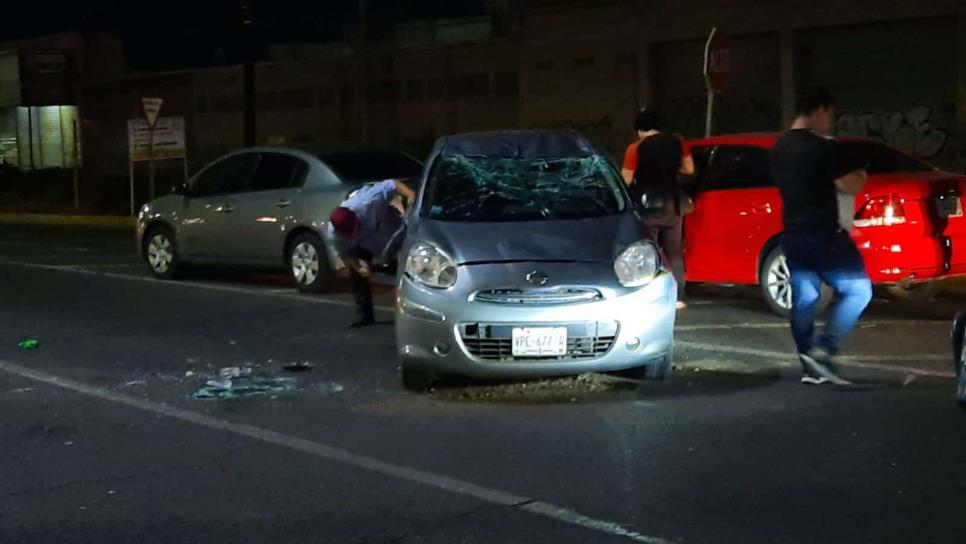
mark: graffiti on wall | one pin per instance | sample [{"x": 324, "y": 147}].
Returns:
[{"x": 911, "y": 130}]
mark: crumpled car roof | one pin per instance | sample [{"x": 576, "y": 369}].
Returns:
[{"x": 521, "y": 144}]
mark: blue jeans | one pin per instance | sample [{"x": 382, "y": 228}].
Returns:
[{"x": 833, "y": 260}]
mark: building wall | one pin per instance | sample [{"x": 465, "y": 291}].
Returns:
[
  {"x": 897, "y": 69},
  {"x": 897, "y": 84}
]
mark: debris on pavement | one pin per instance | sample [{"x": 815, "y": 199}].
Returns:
[
  {"x": 584, "y": 387},
  {"x": 298, "y": 367},
  {"x": 244, "y": 386},
  {"x": 132, "y": 383},
  {"x": 29, "y": 343},
  {"x": 329, "y": 387}
]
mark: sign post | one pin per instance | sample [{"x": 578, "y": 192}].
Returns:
[
  {"x": 152, "y": 108},
  {"x": 166, "y": 140},
  {"x": 717, "y": 70}
]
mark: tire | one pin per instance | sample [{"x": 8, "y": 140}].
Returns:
[
  {"x": 660, "y": 371},
  {"x": 959, "y": 358},
  {"x": 308, "y": 264},
  {"x": 775, "y": 281},
  {"x": 657, "y": 372},
  {"x": 161, "y": 253},
  {"x": 918, "y": 291},
  {"x": 961, "y": 379},
  {"x": 417, "y": 380}
]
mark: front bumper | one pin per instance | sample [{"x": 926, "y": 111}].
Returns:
[{"x": 636, "y": 324}]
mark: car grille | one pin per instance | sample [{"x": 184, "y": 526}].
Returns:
[
  {"x": 568, "y": 295},
  {"x": 493, "y": 342}
]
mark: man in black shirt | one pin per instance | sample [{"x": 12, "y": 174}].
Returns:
[{"x": 809, "y": 170}]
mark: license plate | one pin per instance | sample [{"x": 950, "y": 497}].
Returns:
[{"x": 539, "y": 341}]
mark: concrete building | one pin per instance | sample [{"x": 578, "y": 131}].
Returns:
[{"x": 899, "y": 70}]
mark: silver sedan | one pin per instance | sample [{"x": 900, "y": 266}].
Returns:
[
  {"x": 262, "y": 207},
  {"x": 524, "y": 257}
]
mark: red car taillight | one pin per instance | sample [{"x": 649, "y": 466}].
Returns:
[{"x": 881, "y": 211}]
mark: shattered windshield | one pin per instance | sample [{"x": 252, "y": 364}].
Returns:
[{"x": 490, "y": 189}]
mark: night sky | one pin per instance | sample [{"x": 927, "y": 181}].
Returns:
[{"x": 173, "y": 34}]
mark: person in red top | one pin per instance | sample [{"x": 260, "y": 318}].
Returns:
[
  {"x": 630, "y": 155},
  {"x": 650, "y": 169}
]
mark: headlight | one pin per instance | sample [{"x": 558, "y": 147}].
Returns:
[
  {"x": 638, "y": 264},
  {"x": 428, "y": 265}
]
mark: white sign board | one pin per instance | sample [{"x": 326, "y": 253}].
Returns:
[
  {"x": 152, "y": 108},
  {"x": 166, "y": 141}
]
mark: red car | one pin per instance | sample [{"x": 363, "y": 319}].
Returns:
[{"x": 908, "y": 220}]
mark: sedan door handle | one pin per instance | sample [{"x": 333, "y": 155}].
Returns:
[
  {"x": 283, "y": 203},
  {"x": 225, "y": 208}
]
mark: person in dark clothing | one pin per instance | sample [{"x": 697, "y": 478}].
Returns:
[
  {"x": 657, "y": 159},
  {"x": 810, "y": 169},
  {"x": 362, "y": 228}
]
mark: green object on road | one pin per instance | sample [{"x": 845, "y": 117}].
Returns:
[
  {"x": 28, "y": 343},
  {"x": 244, "y": 386}
]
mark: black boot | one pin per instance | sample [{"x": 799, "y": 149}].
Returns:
[{"x": 362, "y": 295}]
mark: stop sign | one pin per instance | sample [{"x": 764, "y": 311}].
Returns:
[{"x": 717, "y": 61}]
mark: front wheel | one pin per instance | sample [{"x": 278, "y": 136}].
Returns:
[
  {"x": 417, "y": 379},
  {"x": 775, "y": 279},
  {"x": 657, "y": 371},
  {"x": 959, "y": 358},
  {"x": 961, "y": 379},
  {"x": 161, "y": 253},
  {"x": 308, "y": 264}
]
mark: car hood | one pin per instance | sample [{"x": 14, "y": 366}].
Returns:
[{"x": 598, "y": 239}]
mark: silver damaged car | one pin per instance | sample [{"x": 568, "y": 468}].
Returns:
[{"x": 523, "y": 256}]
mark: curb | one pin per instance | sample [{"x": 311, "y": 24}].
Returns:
[{"x": 66, "y": 220}]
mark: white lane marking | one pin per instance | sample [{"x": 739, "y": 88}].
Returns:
[
  {"x": 331, "y": 453},
  {"x": 112, "y": 265},
  {"x": 265, "y": 292},
  {"x": 864, "y": 361},
  {"x": 727, "y": 326},
  {"x": 784, "y": 325}
]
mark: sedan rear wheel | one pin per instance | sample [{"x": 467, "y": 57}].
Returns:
[
  {"x": 160, "y": 253},
  {"x": 308, "y": 264}
]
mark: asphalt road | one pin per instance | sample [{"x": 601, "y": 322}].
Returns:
[{"x": 102, "y": 441}]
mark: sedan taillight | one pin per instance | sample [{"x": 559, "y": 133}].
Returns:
[{"x": 881, "y": 211}]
